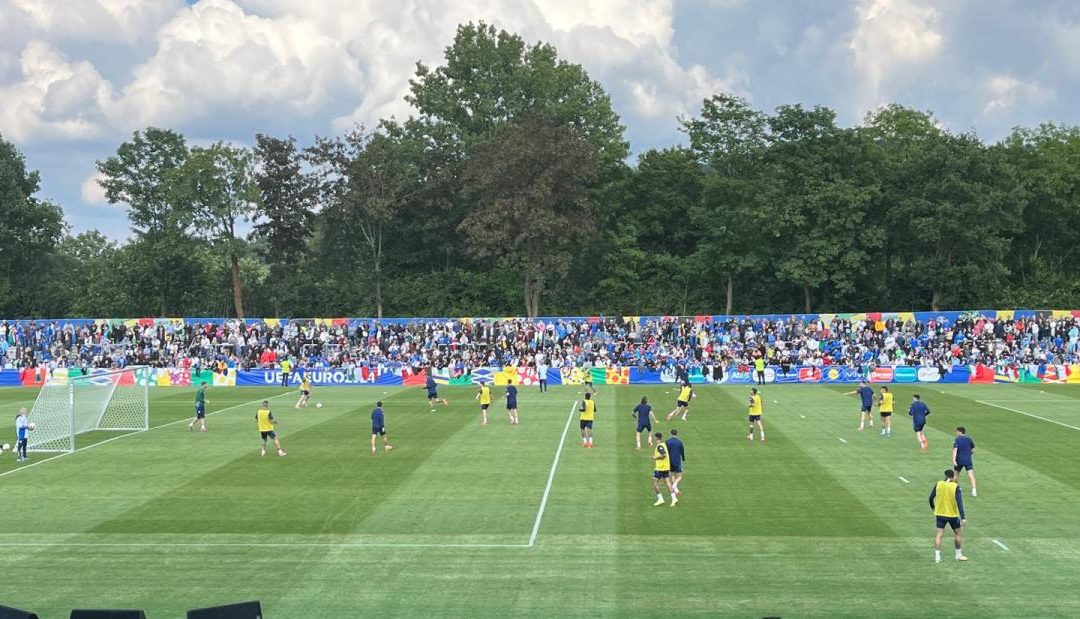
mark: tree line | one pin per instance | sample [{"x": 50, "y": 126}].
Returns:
[{"x": 508, "y": 191}]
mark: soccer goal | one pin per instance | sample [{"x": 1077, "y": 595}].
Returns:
[{"x": 66, "y": 406}]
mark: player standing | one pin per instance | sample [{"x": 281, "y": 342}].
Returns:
[
  {"x": 682, "y": 402},
  {"x": 918, "y": 412},
  {"x": 755, "y": 415},
  {"x": 645, "y": 419},
  {"x": 662, "y": 470},
  {"x": 511, "y": 405},
  {"x": 866, "y": 394},
  {"x": 588, "y": 415},
  {"x": 963, "y": 448},
  {"x": 541, "y": 373},
  {"x": 286, "y": 368},
  {"x": 264, "y": 419},
  {"x": 200, "y": 409},
  {"x": 305, "y": 391},
  {"x": 677, "y": 454},
  {"x": 22, "y": 437},
  {"x": 885, "y": 409},
  {"x": 433, "y": 392},
  {"x": 484, "y": 395},
  {"x": 948, "y": 504},
  {"x": 378, "y": 428},
  {"x": 586, "y": 381}
]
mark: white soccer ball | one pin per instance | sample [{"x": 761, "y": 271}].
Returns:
[
  {"x": 4, "y": 447},
  {"x": 31, "y": 425},
  {"x": 318, "y": 405}
]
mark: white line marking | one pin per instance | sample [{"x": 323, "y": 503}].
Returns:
[
  {"x": 253, "y": 545},
  {"x": 903, "y": 479},
  {"x": 1000, "y": 545},
  {"x": 551, "y": 478},
  {"x": 164, "y": 425},
  {"x": 842, "y": 440},
  {"x": 803, "y": 416},
  {"x": 1027, "y": 414}
]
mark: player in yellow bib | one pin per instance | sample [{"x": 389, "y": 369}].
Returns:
[
  {"x": 484, "y": 395},
  {"x": 885, "y": 409},
  {"x": 305, "y": 391},
  {"x": 755, "y": 415},
  {"x": 682, "y": 402},
  {"x": 264, "y": 419},
  {"x": 662, "y": 470},
  {"x": 587, "y": 416},
  {"x": 948, "y": 504}
]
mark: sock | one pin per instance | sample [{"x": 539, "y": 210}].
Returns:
[
  {"x": 763, "y": 435},
  {"x": 659, "y": 497},
  {"x": 958, "y": 553},
  {"x": 937, "y": 555}
]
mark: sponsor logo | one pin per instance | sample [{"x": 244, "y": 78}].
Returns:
[
  {"x": 928, "y": 375},
  {"x": 905, "y": 374},
  {"x": 881, "y": 375},
  {"x": 810, "y": 375}
]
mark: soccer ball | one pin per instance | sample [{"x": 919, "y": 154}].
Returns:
[
  {"x": 4, "y": 447},
  {"x": 31, "y": 425},
  {"x": 389, "y": 447},
  {"x": 318, "y": 405}
]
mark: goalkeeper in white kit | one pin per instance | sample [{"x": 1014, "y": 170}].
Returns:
[{"x": 22, "y": 434}]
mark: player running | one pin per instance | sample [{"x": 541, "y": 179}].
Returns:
[
  {"x": 682, "y": 402},
  {"x": 885, "y": 409},
  {"x": 963, "y": 448},
  {"x": 484, "y": 395},
  {"x": 586, "y": 382},
  {"x": 677, "y": 454},
  {"x": 948, "y": 504},
  {"x": 755, "y": 415},
  {"x": 645, "y": 419},
  {"x": 305, "y": 392},
  {"x": 662, "y": 470},
  {"x": 378, "y": 428},
  {"x": 433, "y": 393},
  {"x": 511, "y": 405},
  {"x": 866, "y": 394},
  {"x": 588, "y": 415},
  {"x": 200, "y": 409},
  {"x": 264, "y": 419},
  {"x": 918, "y": 412}
]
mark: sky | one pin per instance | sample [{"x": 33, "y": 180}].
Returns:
[{"x": 77, "y": 77}]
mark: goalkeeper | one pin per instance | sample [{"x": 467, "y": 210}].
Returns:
[{"x": 22, "y": 430}]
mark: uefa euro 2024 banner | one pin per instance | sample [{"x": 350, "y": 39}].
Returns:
[{"x": 734, "y": 374}]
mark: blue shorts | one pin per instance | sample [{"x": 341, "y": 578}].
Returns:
[
  {"x": 511, "y": 405},
  {"x": 484, "y": 407},
  {"x": 945, "y": 520},
  {"x": 200, "y": 412},
  {"x": 268, "y": 434},
  {"x": 641, "y": 427},
  {"x": 962, "y": 466},
  {"x": 676, "y": 468},
  {"x": 432, "y": 394},
  {"x": 660, "y": 474},
  {"x": 586, "y": 424},
  {"x": 681, "y": 404},
  {"x": 380, "y": 430},
  {"x": 866, "y": 408},
  {"x": 753, "y": 418},
  {"x": 918, "y": 426}
]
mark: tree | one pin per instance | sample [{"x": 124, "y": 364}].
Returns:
[
  {"x": 217, "y": 184},
  {"x": 140, "y": 175},
  {"x": 30, "y": 229},
  {"x": 284, "y": 213},
  {"x": 531, "y": 184}
]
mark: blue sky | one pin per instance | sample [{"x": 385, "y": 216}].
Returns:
[{"x": 78, "y": 76}]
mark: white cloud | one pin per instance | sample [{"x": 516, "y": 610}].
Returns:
[
  {"x": 1005, "y": 92},
  {"x": 891, "y": 39},
  {"x": 54, "y": 98},
  {"x": 91, "y": 191},
  {"x": 86, "y": 20}
]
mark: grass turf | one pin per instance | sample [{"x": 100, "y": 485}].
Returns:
[{"x": 806, "y": 524}]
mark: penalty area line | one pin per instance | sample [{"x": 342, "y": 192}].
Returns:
[
  {"x": 164, "y": 425},
  {"x": 550, "y": 479},
  {"x": 1033, "y": 416}
]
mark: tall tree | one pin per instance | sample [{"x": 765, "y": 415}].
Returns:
[
  {"x": 531, "y": 183},
  {"x": 217, "y": 183},
  {"x": 30, "y": 229},
  {"x": 140, "y": 175},
  {"x": 284, "y": 213}
]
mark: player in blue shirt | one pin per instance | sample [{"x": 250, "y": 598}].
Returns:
[
  {"x": 866, "y": 394},
  {"x": 677, "y": 455},
  {"x": 918, "y": 412},
  {"x": 511, "y": 405},
  {"x": 645, "y": 419},
  {"x": 378, "y": 428},
  {"x": 22, "y": 428},
  {"x": 433, "y": 392},
  {"x": 963, "y": 448}
]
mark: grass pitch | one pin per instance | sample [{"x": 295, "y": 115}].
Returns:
[{"x": 821, "y": 520}]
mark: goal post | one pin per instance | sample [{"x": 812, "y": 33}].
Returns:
[{"x": 103, "y": 400}]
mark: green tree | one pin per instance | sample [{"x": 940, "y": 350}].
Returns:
[
  {"x": 531, "y": 184},
  {"x": 30, "y": 229}
]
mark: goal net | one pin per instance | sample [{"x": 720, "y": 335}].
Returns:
[{"x": 104, "y": 400}]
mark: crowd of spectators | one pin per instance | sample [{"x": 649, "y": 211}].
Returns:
[{"x": 464, "y": 344}]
